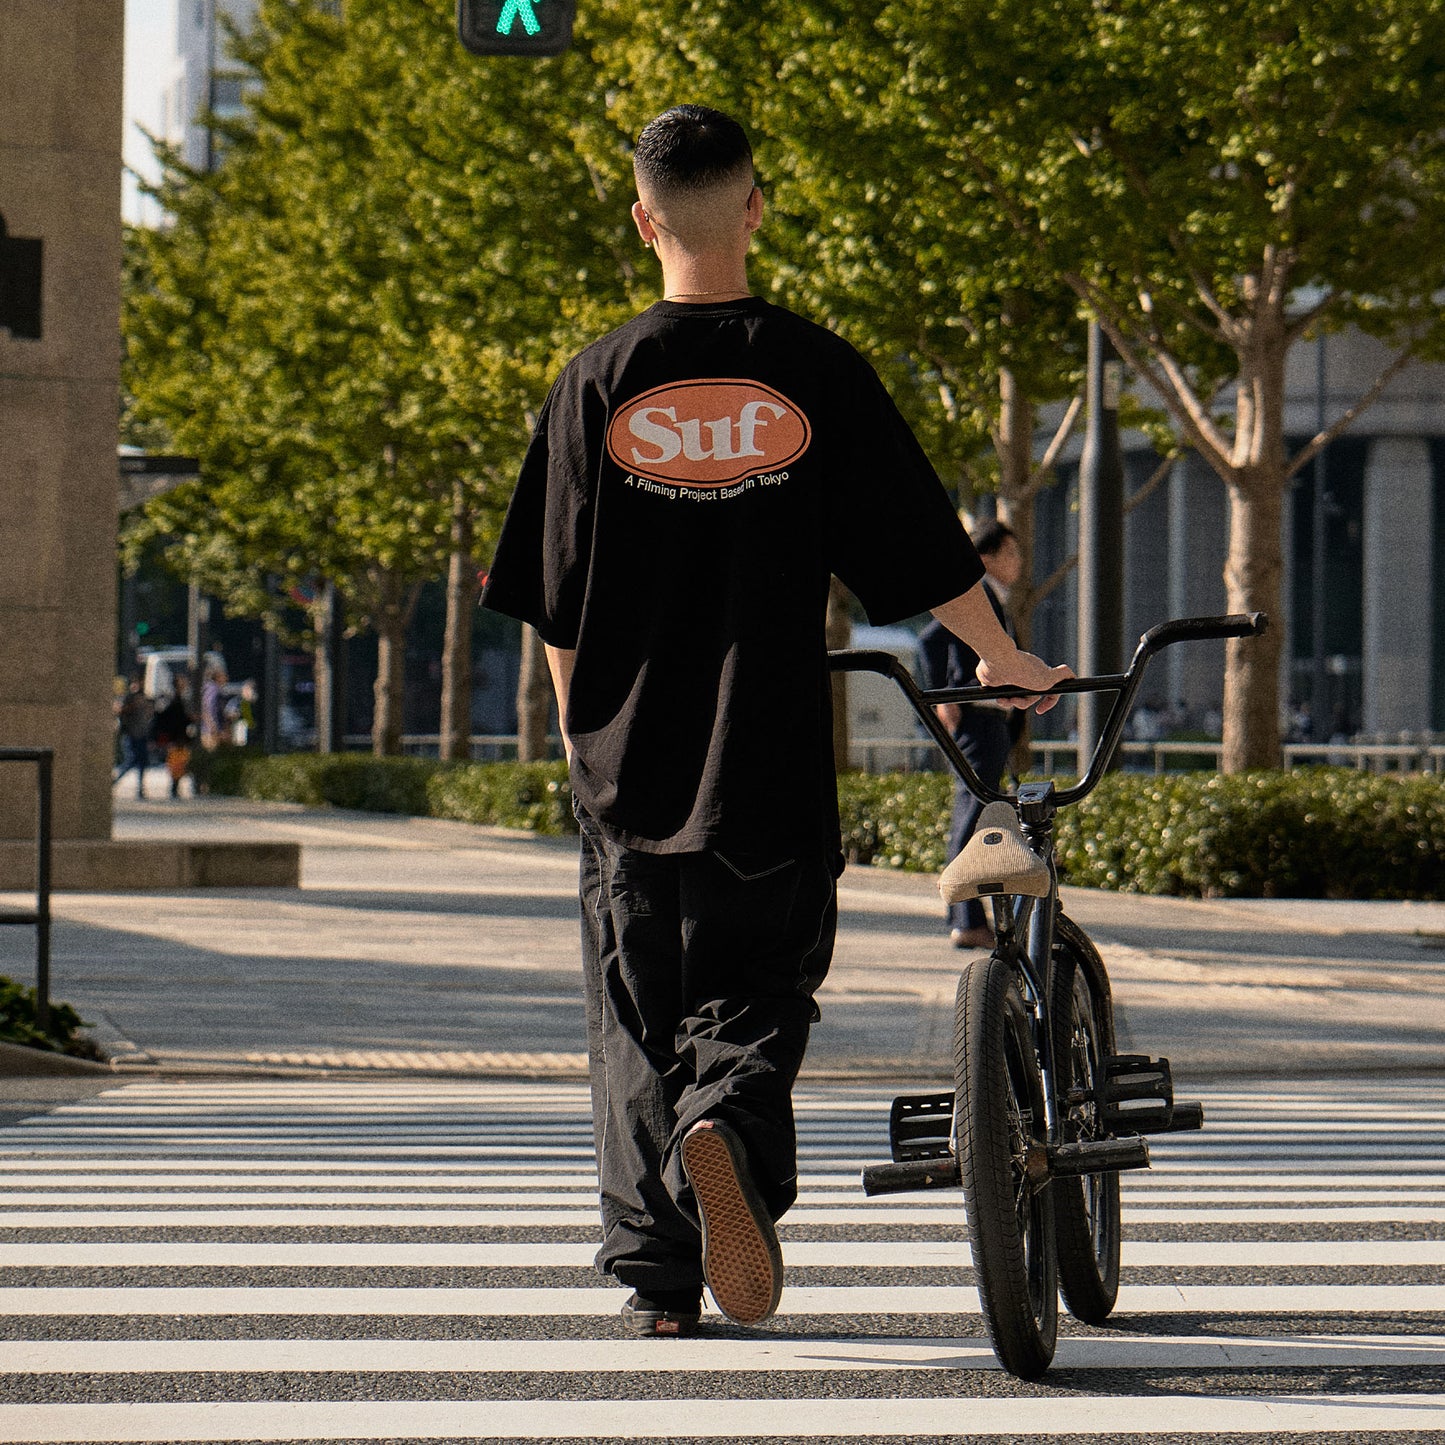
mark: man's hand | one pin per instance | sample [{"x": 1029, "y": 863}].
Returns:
[
  {"x": 971, "y": 617},
  {"x": 1023, "y": 669}
]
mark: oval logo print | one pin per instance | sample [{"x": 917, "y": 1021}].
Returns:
[{"x": 707, "y": 433}]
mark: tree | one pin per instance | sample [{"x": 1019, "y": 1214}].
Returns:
[
  {"x": 351, "y": 320},
  {"x": 914, "y": 264},
  {"x": 1215, "y": 182}
]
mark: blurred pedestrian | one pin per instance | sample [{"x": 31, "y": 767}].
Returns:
[
  {"x": 213, "y": 705},
  {"x": 985, "y": 731},
  {"x": 134, "y": 713},
  {"x": 173, "y": 730}
]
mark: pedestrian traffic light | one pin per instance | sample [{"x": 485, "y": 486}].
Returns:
[{"x": 515, "y": 27}]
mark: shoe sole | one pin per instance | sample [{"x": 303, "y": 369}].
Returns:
[{"x": 741, "y": 1258}]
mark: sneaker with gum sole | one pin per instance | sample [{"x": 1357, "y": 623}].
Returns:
[{"x": 741, "y": 1258}]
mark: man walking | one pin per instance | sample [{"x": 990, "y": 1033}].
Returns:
[
  {"x": 985, "y": 731},
  {"x": 693, "y": 480}
]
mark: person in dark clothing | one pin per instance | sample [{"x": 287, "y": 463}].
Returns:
[
  {"x": 134, "y": 713},
  {"x": 694, "y": 479},
  {"x": 986, "y": 732},
  {"x": 172, "y": 730}
]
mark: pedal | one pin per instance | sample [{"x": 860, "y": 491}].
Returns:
[
  {"x": 920, "y": 1126},
  {"x": 915, "y": 1174},
  {"x": 1138, "y": 1095},
  {"x": 1096, "y": 1156}
]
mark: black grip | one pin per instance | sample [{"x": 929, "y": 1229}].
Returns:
[{"x": 1202, "y": 629}]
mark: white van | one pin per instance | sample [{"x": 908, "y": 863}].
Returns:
[
  {"x": 880, "y": 721},
  {"x": 163, "y": 663}
]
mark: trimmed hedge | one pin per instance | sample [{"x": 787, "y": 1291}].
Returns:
[{"x": 1312, "y": 833}]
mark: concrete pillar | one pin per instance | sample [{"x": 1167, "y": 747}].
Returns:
[
  {"x": 1397, "y": 566},
  {"x": 60, "y": 118}
]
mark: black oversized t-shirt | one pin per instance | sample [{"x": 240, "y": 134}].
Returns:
[{"x": 694, "y": 478}]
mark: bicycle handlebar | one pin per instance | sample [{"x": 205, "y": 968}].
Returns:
[{"x": 1126, "y": 685}]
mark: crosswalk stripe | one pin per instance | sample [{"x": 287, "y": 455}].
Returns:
[
  {"x": 1313, "y": 1177},
  {"x": 599, "y": 1300},
  {"x": 839, "y": 1254},
  {"x": 715, "y": 1419},
  {"x": 949, "y": 1212},
  {"x": 396, "y": 1356}
]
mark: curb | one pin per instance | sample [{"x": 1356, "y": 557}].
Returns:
[{"x": 20, "y": 1061}]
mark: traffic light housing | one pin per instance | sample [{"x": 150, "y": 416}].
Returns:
[{"x": 515, "y": 27}]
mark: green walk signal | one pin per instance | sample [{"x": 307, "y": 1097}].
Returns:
[{"x": 515, "y": 27}]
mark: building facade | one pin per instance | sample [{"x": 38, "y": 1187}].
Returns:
[
  {"x": 1363, "y": 605},
  {"x": 203, "y": 80}
]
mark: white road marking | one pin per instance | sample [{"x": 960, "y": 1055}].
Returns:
[
  {"x": 612, "y": 1356},
  {"x": 1071, "y": 1414}
]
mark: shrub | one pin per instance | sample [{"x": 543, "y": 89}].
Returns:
[
  {"x": 1315, "y": 833},
  {"x": 20, "y": 1023},
  {"x": 534, "y": 796}
]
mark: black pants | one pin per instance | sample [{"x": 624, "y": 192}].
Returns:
[
  {"x": 983, "y": 734},
  {"x": 700, "y": 970}
]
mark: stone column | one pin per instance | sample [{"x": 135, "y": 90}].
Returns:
[
  {"x": 60, "y": 142},
  {"x": 1397, "y": 565}
]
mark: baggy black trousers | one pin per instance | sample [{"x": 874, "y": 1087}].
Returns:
[{"x": 700, "y": 970}]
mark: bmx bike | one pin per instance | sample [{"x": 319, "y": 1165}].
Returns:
[{"x": 1044, "y": 1114}]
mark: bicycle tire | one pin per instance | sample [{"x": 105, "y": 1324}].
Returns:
[
  {"x": 1088, "y": 1223},
  {"x": 998, "y": 1117}
]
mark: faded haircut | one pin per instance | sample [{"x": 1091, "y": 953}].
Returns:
[{"x": 691, "y": 148}]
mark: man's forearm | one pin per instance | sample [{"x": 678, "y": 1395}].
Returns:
[
  {"x": 1001, "y": 661},
  {"x": 972, "y": 618},
  {"x": 559, "y": 664}
]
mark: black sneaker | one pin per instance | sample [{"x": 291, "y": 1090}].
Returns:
[
  {"x": 673, "y": 1313},
  {"x": 741, "y": 1258}
]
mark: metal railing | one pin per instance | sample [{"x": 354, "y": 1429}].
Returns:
[
  {"x": 1051, "y": 755},
  {"x": 1059, "y": 755},
  {"x": 39, "y": 916}
]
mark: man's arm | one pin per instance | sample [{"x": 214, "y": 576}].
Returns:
[
  {"x": 559, "y": 663},
  {"x": 971, "y": 617}
]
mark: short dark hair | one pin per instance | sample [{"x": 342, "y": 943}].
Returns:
[
  {"x": 691, "y": 147},
  {"x": 989, "y": 537}
]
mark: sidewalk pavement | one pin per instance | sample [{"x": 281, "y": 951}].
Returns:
[{"x": 431, "y": 946}]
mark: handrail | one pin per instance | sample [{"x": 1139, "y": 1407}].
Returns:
[{"x": 39, "y": 916}]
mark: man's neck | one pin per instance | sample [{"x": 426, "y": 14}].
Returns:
[{"x": 698, "y": 281}]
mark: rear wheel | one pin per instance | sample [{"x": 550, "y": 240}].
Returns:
[
  {"x": 999, "y": 1131},
  {"x": 1087, "y": 1220}
]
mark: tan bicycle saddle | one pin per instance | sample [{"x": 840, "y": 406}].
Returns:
[{"x": 997, "y": 859}]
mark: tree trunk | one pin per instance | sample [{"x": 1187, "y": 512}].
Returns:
[
  {"x": 1016, "y": 511},
  {"x": 1252, "y": 573},
  {"x": 838, "y": 633},
  {"x": 1015, "y": 497},
  {"x": 396, "y": 604},
  {"x": 534, "y": 699},
  {"x": 329, "y": 684},
  {"x": 456, "y": 721}
]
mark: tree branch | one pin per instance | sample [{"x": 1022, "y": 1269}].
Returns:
[
  {"x": 1167, "y": 379},
  {"x": 1147, "y": 490},
  {"x": 1039, "y": 475},
  {"x": 1313, "y": 448}
]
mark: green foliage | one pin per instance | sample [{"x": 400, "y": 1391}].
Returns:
[
  {"x": 19, "y": 1023},
  {"x": 896, "y": 820},
  {"x": 534, "y": 796},
  {"x": 1314, "y": 833},
  {"x": 361, "y": 306}
]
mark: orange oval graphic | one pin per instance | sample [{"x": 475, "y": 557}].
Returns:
[{"x": 707, "y": 433}]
